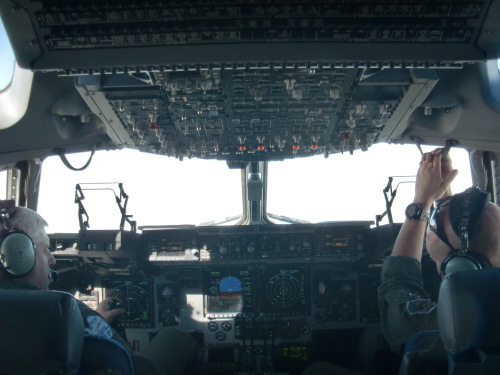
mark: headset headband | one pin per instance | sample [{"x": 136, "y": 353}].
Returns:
[{"x": 465, "y": 212}]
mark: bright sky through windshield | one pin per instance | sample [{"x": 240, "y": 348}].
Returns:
[
  {"x": 165, "y": 191},
  {"x": 350, "y": 187},
  {"x": 161, "y": 190}
]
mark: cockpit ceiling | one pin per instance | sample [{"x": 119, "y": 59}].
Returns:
[{"x": 240, "y": 81}]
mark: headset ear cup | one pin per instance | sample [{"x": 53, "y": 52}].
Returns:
[
  {"x": 17, "y": 253},
  {"x": 469, "y": 261}
]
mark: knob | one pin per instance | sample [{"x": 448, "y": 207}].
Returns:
[
  {"x": 251, "y": 248},
  {"x": 113, "y": 303},
  {"x": 223, "y": 249}
]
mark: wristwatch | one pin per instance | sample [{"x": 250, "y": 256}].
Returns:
[{"x": 415, "y": 211}]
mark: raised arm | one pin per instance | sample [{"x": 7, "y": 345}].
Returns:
[{"x": 433, "y": 182}]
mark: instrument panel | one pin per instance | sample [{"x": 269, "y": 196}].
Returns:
[
  {"x": 253, "y": 296},
  {"x": 343, "y": 241}
]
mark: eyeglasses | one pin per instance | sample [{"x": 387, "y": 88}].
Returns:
[{"x": 433, "y": 220}]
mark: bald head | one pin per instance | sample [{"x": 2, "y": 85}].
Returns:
[{"x": 28, "y": 221}]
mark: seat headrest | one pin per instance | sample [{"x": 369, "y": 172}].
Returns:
[
  {"x": 469, "y": 310},
  {"x": 41, "y": 331}
]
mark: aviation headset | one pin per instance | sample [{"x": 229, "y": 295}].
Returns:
[
  {"x": 17, "y": 251},
  {"x": 465, "y": 212}
]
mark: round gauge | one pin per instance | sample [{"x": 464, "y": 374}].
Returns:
[
  {"x": 226, "y": 326},
  {"x": 283, "y": 290},
  {"x": 213, "y": 326},
  {"x": 220, "y": 336}
]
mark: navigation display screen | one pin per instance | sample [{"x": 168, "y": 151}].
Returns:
[
  {"x": 137, "y": 298},
  {"x": 227, "y": 292},
  {"x": 284, "y": 291}
]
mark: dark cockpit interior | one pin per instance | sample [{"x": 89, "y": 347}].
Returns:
[{"x": 246, "y": 83}]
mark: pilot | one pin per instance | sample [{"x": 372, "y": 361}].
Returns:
[
  {"x": 171, "y": 351},
  {"x": 460, "y": 234}
]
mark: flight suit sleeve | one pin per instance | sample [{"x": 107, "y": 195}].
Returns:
[
  {"x": 96, "y": 325},
  {"x": 405, "y": 307}
]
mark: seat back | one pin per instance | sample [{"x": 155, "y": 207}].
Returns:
[
  {"x": 104, "y": 356},
  {"x": 41, "y": 332},
  {"x": 469, "y": 321},
  {"x": 424, "y": 354}
]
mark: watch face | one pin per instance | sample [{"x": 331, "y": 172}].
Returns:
[{"x": 413, "y": 211}]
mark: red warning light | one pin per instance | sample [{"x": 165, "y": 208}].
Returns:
[
  {"x": 261, "y": 147},
  {"x": 295, "y": 147},
  {"x": 153, "y": 125},
  {"x": 242, "y": 148}
]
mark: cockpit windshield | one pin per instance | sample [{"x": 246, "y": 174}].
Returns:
[
  {"x": 351, "y": 187},
  {"x": 164, "y": 191}
]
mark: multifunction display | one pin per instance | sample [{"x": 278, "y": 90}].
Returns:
[
  {"x": 285, "y": 291},
  {"x": 137, "y": 298},
  {"x": 227, "y": 292}
]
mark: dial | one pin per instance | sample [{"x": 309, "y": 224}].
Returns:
[
  {"x": 213, "y": 326},
  {"x": 226, "y": 326},
  {"x": 220, "y": 336}
]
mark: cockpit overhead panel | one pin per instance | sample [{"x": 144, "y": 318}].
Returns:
[
  {"x": 265, "y": 112},
  {"x": 240, "y": 81},
  {"x": 76, "y": 37}
]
